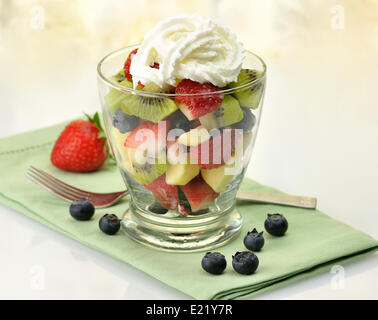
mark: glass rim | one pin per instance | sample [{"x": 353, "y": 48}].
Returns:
[{"x": 115, "y": 85}]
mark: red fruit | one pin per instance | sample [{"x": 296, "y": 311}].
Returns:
[
  {"x": 199, "y": 194},
  {"x": 79, "y": 147},
  {"x": 140, "y": 84},
  {"x": 127, "y": 65},
  {"x": 197, "y": 106},
  {"x": 154, "y": 133},
  {"x": 166, "y": 194},
  {"x": 215, "y": 152}
]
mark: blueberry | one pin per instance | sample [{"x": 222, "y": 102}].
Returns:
[
  {"x": 124, "y": 122},
  {"x": 82, "y": 209},
  {"x": 247, "y": 122},
  {"x": 109, "y": 224},
  {"x": 178, "y": 120},
  {"x": 254, "y": 240},
  {"x": 245, "y": 262},
  {"x": 214, "y": 262},
  {"x": 158, "y": 208},
  {"x": 276, "y": 224}
]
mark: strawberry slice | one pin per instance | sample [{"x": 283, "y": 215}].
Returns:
[
  {"x": 216, "y": 151},
  {"x": 195, "y": 106},
  {"x": 199, "y": 194},
  {"x": 127, "y": 64},
  {"x": 166, "y": 194}
]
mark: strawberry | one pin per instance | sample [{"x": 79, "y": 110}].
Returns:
[
  {"x": 127, "y": 64},
  {"x": 197, "y": 105},
  {"x": 81, "y": 147},
  {"x": 166, "y": 194}
]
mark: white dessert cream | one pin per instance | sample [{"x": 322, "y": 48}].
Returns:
[{"x": 188, "y": 47}]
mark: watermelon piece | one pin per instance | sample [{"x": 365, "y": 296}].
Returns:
[
  {"x": 166, "y": 194},
  {"x": 199, "y": 194}
]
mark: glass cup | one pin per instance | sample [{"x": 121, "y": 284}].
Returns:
[{"x": 181, "y": 167}]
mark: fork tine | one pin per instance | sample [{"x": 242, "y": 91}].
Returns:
[
  {"x": 55, "y": 186},
  {"x": 50, "y": 188},
  {"x": 75, "y": 191}
]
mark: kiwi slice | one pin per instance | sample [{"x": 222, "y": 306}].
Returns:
[
  {"x": 148, "y": 172},
  {"x": 148, "y": 108},
  {"x": 119, "y": 77},
  {"x": 250, "y": 96},
  {"x": 152, "y": 87},
  {"x": 228, "y": 113},
  {"x": 114, "y": 98}
]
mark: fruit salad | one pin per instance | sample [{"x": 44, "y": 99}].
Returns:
[{"x": 181, "y": 112}]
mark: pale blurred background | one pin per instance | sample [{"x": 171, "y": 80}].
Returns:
[{"x": 319, "y": 129}]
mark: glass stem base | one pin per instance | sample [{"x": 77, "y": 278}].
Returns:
[{"x": 185, "y": 235}]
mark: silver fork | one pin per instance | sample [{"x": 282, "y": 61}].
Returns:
[
  {"x": 101, "y": 200},
  {"x": 70, "y": 193}
]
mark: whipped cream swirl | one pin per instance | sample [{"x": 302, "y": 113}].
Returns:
[{"x": 188, "y": 47}]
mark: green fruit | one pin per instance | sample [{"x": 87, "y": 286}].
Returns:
[
  {"x": 128, "y": 166},
  {"x": 181, "y": 173},
  {"x": 228, "y": 113},
  {"x": 119, "y": 146},
  {"x": 148, "y": 108},
  {"x": 218, "y": 178},
  {"x": 114, "y": 98},
  {"x": 152, "y": 87},
  {"x": 119, "y": 138},
  {"x": 249, "y": 96},
  {"x": 144, "y": 168},
  {"x": 148, "y": 172},
  {"x": 119, "y": 77},
  {"x": 121, "y": 73}
]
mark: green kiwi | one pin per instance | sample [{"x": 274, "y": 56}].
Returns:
[
  {"x": 114, "y": 97},
  {"x": 119, "y": 77},
  {"x": 228, "y": 113},
  {"x": 152, "y": 87},
  {"x": 148, "y": 172},
  {"x": 250, "y": 96},
  {"x": 148, "y": 108}
]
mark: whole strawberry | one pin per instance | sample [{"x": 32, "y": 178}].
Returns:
[{"x": 81, "y": 147}]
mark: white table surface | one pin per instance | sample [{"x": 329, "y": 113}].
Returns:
[{"x": 318, "y": 137}]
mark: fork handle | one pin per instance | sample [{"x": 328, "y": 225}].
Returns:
[{"x": 284, "y": 199}]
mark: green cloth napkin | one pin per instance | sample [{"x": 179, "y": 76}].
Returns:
[{"x": 313, "y": 243}]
